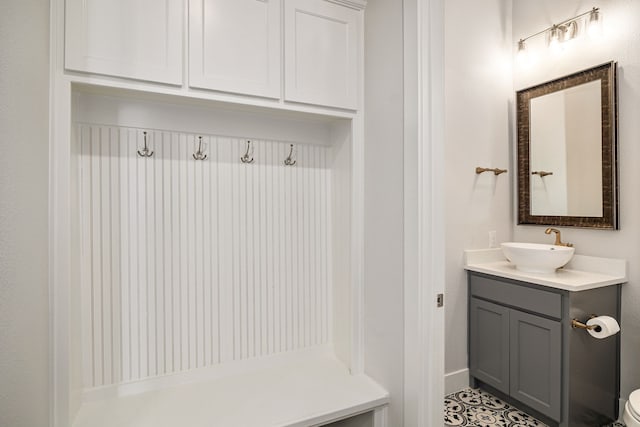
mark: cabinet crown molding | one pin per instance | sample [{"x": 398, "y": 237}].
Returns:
[{"x": 354, "y": 4}]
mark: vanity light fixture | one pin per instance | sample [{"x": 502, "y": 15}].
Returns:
[{"x": 567, "y": 30}]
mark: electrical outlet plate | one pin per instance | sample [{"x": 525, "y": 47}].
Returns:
[{"x": 493, "y": 239}]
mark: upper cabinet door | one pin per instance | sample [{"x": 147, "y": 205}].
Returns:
[
  {"x": 322, "y": 48},
  {"x": 234, "y": 46},
  {"x": 138, "y": 39}
]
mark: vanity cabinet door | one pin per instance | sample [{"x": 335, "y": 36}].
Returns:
[
  {"x": 536, "y": 362},
  {"x": 489, "y": 343},
  {"x": 137, "y": 39},
  {"x": 234, "y": 46},
  {"x": 322, "y": 48}
]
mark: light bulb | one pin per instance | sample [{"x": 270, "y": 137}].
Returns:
[
  {"x": 594, "y": 27},
  {"x": 568, "y": 34},
  {"x": 522, "y": 54},
  {"x": 569, "y": 31},
  {"x": 554, "y": 39}
]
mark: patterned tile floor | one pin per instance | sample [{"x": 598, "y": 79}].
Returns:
[{"x": 473, "y": 407}]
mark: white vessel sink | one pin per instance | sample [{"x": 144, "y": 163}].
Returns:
[{"x": 537, "y": 257}]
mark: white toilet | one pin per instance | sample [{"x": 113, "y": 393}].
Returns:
[{"x": 631, "y": 416}]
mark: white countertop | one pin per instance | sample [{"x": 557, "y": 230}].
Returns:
[{"x": 580, "y": 274}]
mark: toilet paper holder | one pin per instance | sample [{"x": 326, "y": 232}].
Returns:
[{"x": 576, "y": 324}]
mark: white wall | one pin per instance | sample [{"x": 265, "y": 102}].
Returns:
[
  {"x": 384, "y": 156},
  {"x": 620, "y": 42},
  {"x": 477, "y": 90},
  {"x": 24, "y": 73}
]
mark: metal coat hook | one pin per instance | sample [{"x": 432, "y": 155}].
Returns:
[
  {"x": 145, "y": 152},
  {"x": 246, "y": 158},
  {"x": 289, "y": 161},
  {"x": 199, "y": 155}
]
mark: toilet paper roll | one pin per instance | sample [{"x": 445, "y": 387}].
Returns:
[{"x": 606, "y": 326}]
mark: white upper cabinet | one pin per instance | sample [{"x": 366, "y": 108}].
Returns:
[
  {"x": 250, "y": 47},
  {"x": 322, "y": 49},
  {"x": 138, "y": 39},
  {"x": 234, "y": 46}
]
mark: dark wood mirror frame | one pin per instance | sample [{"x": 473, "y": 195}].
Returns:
[{"x": 607, "y": 73}]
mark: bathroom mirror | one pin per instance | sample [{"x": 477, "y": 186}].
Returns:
[{"x": 567, "y": 150}]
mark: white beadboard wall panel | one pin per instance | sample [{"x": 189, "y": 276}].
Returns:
[{"x": 187, "y": 264}]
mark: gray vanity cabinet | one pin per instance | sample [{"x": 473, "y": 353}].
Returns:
[{"x": 522, "y": 348}]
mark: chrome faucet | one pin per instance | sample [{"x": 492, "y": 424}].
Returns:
[{"x": 558, "y": 241}]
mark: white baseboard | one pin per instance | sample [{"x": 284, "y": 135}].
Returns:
[
  {"x": 456, "y": 381},
  {"x": 623, "y": 403}
]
